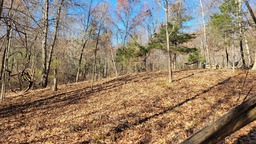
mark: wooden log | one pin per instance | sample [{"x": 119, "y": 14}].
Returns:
[{"x": 234, "y": 120}]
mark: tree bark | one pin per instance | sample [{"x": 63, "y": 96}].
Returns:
[
  {"x": 205, "y": 46},
  {"x": 1, "y": 8},
  {"x": 80, "y": 60},
  {"x": 248, "y": 52},
  {"x": 227, "y": 58},
  {"x": 250, "y": 10},
  {"x": 169, "y": 59},
  {"x": 55, "y": 84},
  {"x": 55, "y": 38},
  {"x": 241, "y": 33},
  {"x": 5, "y": 62},
  {"x": 95, "y": 56},
  {"x": 254, "y": 19},
  {"x": 114, "y": 63},
  {"x": 242, "y": 53},
  {"x": 2, "y": 65},
  {"x": 85, "y": 42},
  {"x": 44, "y": 44},
  {"x": 226, "y": 125},
  {"x": 254, "y": 66}
]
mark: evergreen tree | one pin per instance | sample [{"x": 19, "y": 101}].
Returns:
[
  {"x": 225, "y": 24},
  {"x": 177, "y": 36}
]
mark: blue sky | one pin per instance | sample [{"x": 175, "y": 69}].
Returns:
[{"x": 191, "y": 5}]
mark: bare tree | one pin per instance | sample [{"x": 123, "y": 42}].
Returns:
[
  {"x": 205, "y": 46},
  {"x": 5, "y": 60},
  {"x": 55, "y": 38},
  {"x": 240, "y": 20},
  {"x": 165, "y": 6},
  {"x": 87, "y": 35},
  {"x": 44, "y": 43}
]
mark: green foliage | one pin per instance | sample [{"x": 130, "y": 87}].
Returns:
[
  {"x": 225, "y": 21},
  {"x": 55, "y": 63},
  {"x": 223, "y": 24},
  {"x": 131, "y": 52},
  {"x": 228, "y": 6},
  {"x": 176, "y": 38},
  {"x": 195, "y": 57},
  {"x": 125, "y": 54}
]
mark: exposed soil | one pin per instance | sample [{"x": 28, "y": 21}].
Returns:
[{"x": 137, "y": 108}]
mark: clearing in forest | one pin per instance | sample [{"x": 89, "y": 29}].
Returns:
[{"x": 136, "y": 108}]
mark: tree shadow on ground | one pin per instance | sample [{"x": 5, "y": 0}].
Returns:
[
  {"x": 126, "y": 125},
  {"x": 70, "y": 97},
  {"x": 249, "y": 138},
  {"x": 61, "y": 99}
]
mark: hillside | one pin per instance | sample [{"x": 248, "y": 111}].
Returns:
[{"x": 137, "y": 108}]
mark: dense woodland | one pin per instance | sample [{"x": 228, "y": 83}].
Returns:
[{"x": 66, "y": 41}]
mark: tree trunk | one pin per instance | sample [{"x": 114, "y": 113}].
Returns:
[
  {"x": 248, "y": 52},
  {"x": 145, "y": 63},
  {"x": 2, "y": 65},
  {"x": 1, "y": 8},
  {"x": 205, "y": 46},
  {"x": 250, "y": 10},
  {"x": 254, "y": 66},
  {"x": 95, "y": 56},
  {"x": 227, "y": 58},
  {"x": 233, "y": 55},
  {"x": 114, "y": 63},
  {"x": 242, "y": 53},
  {"x": 169, "y": 59},
  {"x": 227, "y": 124},
  {"x": 254, "y": 19},
  {"x": 241, "y": 32},
  {"x": 174, "y": 61},
  {"x": 55, "y": 84},
  {"x": 55, "y": 38},
  {"x": 5, "y": 62},
  {"x": 85, "y": 42},
  {"x": 44, "y": 44},
  {"x": 80, "y": 60}
]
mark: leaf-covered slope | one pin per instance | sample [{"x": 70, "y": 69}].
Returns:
[{"x": 138, "y": 108}]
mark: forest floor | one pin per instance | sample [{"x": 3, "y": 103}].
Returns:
[{"x": 136, "y": 108}]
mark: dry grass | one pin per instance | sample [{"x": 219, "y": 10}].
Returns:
[{"x": 138, "y": 108}]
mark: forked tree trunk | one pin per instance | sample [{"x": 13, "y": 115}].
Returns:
[{"x": 227, "y": 124}]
